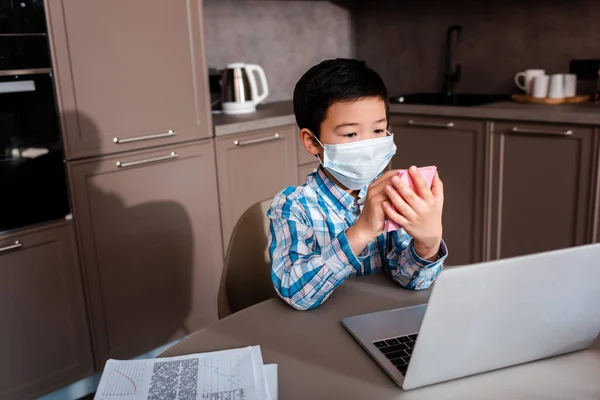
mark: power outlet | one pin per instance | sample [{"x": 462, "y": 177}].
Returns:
[{"x": 585, "y": 69}]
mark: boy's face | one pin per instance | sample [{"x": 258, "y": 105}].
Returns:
[{"x": 349, "y": 121}]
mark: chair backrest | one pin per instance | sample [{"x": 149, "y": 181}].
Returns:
[{"x": 246, "y": 277}]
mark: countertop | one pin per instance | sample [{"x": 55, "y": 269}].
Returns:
[
  {"x": 281, "y": 113},
  {"x": 266, "y": 116},
  {"x": 585, "y": 113}
]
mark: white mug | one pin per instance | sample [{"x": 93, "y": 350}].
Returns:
[
  {"x": 527, "y": 76},
  {"x": 556, "y": 89},
  {"x": 539, "y": 86},
  {"x": 570, "y": 83}
]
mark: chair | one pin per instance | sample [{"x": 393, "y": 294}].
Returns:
[{"x": 246, "y": 277}]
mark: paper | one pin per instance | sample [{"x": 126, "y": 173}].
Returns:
[
  {"x": 271, "y": 375},
  {"x": 428, "y": 173},
  {"x": 237, "y": 374},
  {"x": 260, "y": 380}
]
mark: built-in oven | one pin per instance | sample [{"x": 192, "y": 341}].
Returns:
[
  {"x": 33, "y": 184},
  {"x": 23, "y": 33}
]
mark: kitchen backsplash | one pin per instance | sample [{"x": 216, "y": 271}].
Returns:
[
  {"x": 405, "y": 40},
  {"x": 284, "y": 37}
]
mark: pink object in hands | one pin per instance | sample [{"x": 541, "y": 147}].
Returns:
[{"x": 428, "y": 173}]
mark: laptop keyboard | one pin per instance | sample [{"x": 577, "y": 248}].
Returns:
[{"x": 398, "y": 350}]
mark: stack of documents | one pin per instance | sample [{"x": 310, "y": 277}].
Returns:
[{"x": 237, "y": 374}]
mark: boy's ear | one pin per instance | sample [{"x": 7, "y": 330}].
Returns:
[{"x": 309, "y": 142}]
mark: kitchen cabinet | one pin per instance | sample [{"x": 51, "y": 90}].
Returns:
[
  {"x": 149, "y": 234},
  {"x": 130, "y": 74},
  {"x": 541, "y": 193},
  {"x": 596, "y": 211},
  {"x": 252, "y": 167},
  {"x": 44, "y": 340},
  {"x": 305, "y": 170},
  {"x": 457, "y": 147}
]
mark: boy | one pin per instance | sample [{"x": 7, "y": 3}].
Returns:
[{"x": 332, "y": 227}]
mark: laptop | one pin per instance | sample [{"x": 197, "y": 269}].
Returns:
[{"x": 487, "y": 316}]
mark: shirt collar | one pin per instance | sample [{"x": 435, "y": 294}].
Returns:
[{"x": 333, "y": 194}]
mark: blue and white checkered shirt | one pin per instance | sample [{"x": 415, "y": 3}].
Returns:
[{"x": 311, "y": 256}]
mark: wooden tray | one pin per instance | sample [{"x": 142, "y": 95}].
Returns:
[{"x": 523, "y": 98}]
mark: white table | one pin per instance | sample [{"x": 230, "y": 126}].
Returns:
[{"x": 318, "y": 359}]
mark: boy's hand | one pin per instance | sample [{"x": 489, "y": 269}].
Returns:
[
  {"x": 371, "y": 221},
  {"x": 418, "y": 212}
]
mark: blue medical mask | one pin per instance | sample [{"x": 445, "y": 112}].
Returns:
[{"x": 356, "y": 164}]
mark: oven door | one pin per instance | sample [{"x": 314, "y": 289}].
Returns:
[
  {"x": 28, "y": 114},
  {"x": 19, "y": 17},
  {"x": 23, "y": 35},
  {"x": 32, "y": 170}
]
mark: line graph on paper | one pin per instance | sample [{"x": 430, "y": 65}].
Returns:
[
  {"x": 124, "y": 380},
  {"x": 222, "y": 379}
]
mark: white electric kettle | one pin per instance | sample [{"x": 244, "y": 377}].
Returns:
[{"x": 240, "y": 90}]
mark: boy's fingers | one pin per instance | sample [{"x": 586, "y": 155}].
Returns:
[
  {"x": 408, "y": 195},
  {"x": 393, "y": 215},
  {"x": 378, "y": 198},
  {"x": 401, "y": 205},
  {"x": 421, "y": 186},
  {"x": 437, "y": 187},
  {"x": 386, "y": 176},
  {"x": 379, "y": 184}
]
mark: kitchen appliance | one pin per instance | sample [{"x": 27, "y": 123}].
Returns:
[
  {"x": 240, "y": 88},
  {"x": 32, "y": 170},
  {"x": 588, "y": 76},
  {"x": 23, "y": 40},
  {"x": 214, "y": 82},
  {"x": 477, "y": 320}
]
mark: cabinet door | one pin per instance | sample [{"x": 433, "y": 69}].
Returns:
[
  {"x": 457, "y": 148},
  {"x": 149, "y": 233},
  {"x": 305, "y": 170},
  {"x": 45, "y": 338},
  {"x": 131, "y": 74},
  {"x": 253, "y": 167},
  {"x": 542, "y": 186},
  {"x": 596, "y": 179}
]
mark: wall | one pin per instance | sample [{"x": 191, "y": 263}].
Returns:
[
  {"x": 284, "y": 37},
  {"x": 405, "y": 40}
]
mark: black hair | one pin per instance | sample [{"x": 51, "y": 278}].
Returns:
[{"x": 332, "y": 81}]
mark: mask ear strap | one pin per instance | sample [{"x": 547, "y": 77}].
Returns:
[
  {"x": 320, "y": 161},
  {"x": 318, "y": 141},
  {"x": 318, "y": 156}
]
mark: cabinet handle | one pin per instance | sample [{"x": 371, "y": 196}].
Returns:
[
  {"x": 147, "y": 137},
  {"x": 259, "y": 140},
  {"x": 15, "y": 246},
  {"x": 147, "y": 161},
  {"x": 446, "y": 125},
  {"x": 516, "y": 129},
  {"x": 32, "y": 71}
]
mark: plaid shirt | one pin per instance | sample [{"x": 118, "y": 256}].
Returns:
[{"x": 311, "y": 256}]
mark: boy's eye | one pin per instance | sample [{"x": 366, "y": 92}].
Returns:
[{"x": 350, "y": 135}]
